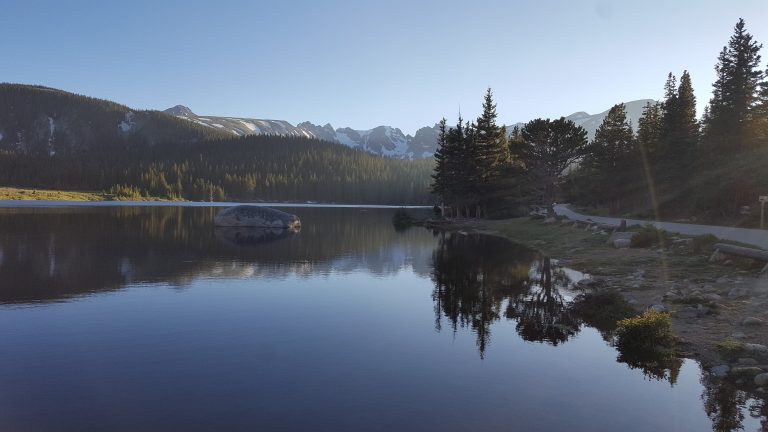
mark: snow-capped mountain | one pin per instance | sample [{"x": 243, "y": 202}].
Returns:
[
  {"x": 381, "y": 140},
  {"x": 592, "y": 122}
]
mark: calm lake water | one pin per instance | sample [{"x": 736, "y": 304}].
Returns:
[{"x": 149, "y": 319}]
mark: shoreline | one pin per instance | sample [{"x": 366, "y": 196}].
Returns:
[{"x": 712, "y": 305}]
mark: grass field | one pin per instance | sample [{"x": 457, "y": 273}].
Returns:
[{"x": 11, "y": 193}]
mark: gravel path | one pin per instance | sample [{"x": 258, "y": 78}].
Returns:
[{"x": 755, "y": 237}]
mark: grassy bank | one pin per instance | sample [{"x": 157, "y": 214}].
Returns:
[
  {"x": 21, "y": 194},
  {"x": 10, "y": 193}
]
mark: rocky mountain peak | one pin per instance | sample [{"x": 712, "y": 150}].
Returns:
[{"x": 181, "y": 111}]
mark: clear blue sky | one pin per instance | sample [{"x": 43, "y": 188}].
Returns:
[{"x": 366, "y": 63}]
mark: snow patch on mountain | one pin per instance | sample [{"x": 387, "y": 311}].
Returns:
[
  {"x": 51, "y": 132},
  {"x": 251, "y": 127},
  {"x": 129, "y": 122}
]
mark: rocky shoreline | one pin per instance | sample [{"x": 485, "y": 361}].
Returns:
[{"x": 719, "y": 309}]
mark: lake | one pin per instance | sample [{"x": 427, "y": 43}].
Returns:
[{"x": 127, "y": 318}]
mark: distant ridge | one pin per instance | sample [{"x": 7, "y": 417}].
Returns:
[
  {"x": 42, "y": 120},
  {"x": 382, "y": 140}
]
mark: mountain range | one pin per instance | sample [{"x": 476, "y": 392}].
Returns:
[
  {"x": 382, "y": 140},
  {"x": 42, "y": 120}
]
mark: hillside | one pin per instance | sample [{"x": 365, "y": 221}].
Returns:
[
  {"x": 41, "y": 120},
  {"x": 252, "y": 168},
  {"x": 59, "y": 140}
]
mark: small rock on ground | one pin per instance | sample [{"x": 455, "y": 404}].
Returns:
[
  {"x": 761, "y": 379},
  {"x": 746, "y": 370},
  {"x": 752, "y": 321},
  {"x": 720, "y": 371}
]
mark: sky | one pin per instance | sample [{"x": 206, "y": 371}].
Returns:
[{"x": 362, "y": 63}]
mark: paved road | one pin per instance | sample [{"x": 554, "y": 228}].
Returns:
[{"x": 751, "y": 236}]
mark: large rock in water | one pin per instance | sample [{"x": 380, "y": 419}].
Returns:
[{"x": 256, "y": 216}]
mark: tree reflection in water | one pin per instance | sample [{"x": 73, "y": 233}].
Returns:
[
  {"x": 477, "y": 277},
  {"x": 541, "y": 311}
]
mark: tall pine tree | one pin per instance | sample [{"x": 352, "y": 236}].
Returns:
[
  {"x": 679, "y": 131},
  {"x": 492, "y": 155},
  {"x": 613, "y": 157},
  {"x": 647, "y": 141},
  {"x": 735, "y": 92},
  {"x": 441, "y": 175}
]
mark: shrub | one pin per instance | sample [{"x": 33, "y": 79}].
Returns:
[
  {"x": 648, "y": 236},
  {"x": 125, "y": 192},
  {"x": 704, "y": 243},
  {"x": 651, "y": 330},
  {"x": 730, "y": 348}
]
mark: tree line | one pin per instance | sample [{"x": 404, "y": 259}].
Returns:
[
  {"x": 250, "y": 168},
  {"x": 674, "y": 164}
]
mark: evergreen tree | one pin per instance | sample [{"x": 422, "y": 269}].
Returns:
[
  {"x": 761, "y": 113},
  {"x": 647, "y": 142},
  {"x": 441, "y": 175},
  {"x": 679, "y": 131},
  {"x": 491, "y": 154},
  {"x": 613, "y": 157},
  {"x": 551, "y": 147},
  {"x": 649, "y": 131},
  {"x": 735, "y": 92}
]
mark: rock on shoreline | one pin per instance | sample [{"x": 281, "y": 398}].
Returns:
[{"x": 256, "y": 216}]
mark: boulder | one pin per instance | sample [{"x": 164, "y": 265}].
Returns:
[
  {"x": 737, "y": 293},
  {"x": 746, "y": 370},
  {"x": 747, "y": 361},
  {"x": 756, "y": 349},
  {"x": 752, "y": 321},
  {"x": 723, "y": 280},
  {"x": 761, "y": 379},
  {"x": 256, "y": 216},
  {"x": 620, "y": 235},
  {"x": 712, "y": 297},
  {"x": 683, "y": 242},
  {"x": 720, "y": 371},
  {"x": 658, "y": 308},
  {"x": 622, "y": 243}
]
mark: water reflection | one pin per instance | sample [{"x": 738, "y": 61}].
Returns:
[
  {"x": 476, "y": 281},
  {"x": 480, "y": 279},
  {"x": 252, "y": 236},
  {"x": 541, "y": 311},
  {"x": 52, "y": 254}
]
